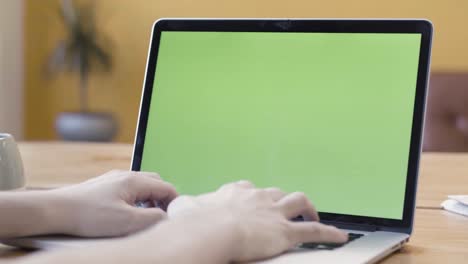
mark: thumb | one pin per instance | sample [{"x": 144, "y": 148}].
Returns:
[{"x": 143, "y": 218}]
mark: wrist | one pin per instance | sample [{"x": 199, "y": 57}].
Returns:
[
  {"x": 220, "y": 232},
  {"x": 233, "y": 235},
  {"x": 217, "y": 227},
  {"x": 56, "y": 212},
  {"x": 205, "y": 236}
]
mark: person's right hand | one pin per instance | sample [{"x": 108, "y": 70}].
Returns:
[{"x": 260, "y": 219}]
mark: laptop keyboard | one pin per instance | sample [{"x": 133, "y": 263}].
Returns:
[{"x": 330, "y": 246}]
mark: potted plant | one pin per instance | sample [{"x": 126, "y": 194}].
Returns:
[{"x": 82, "y": 52}]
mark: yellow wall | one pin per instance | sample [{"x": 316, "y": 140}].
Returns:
[{"x": 128, "y": 23}]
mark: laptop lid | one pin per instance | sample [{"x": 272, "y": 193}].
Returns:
[{"x": 332, "y": 108}]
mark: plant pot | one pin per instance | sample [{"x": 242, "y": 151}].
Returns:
[{"x": 76, "y": 126}]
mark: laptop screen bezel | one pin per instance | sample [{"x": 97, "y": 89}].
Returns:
[{"x": 422, "y": 27}]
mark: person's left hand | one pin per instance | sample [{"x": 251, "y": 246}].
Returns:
[{"x": 105, "y": 206}]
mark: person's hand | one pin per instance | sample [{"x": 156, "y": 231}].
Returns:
[
  {"x": 105, "y": 206},
  {"x": 260, "y": 219}
]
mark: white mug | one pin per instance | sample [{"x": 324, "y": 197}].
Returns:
[{"x": 11, "y": 166}]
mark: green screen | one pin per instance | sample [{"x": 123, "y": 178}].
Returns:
[{"x": 328, "y": 114}]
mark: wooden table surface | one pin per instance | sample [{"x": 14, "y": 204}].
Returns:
[
  {"x": 441, "y": 175},
  {"x": 439, "y": 236}
]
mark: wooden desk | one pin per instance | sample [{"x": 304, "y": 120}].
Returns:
[
  {"x": 441, "y": 175},
  {"x": 439, "y": 236},
  {"x": 50, "y": 164}
]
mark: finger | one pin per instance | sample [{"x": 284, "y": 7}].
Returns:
[
  {"x": 303, "y": 232},
  {"x": 146, "y": 189},
  {"x": 275, "y": 193},
  {"x": 244, "y": 184},
  {"x": 295, "y": 204},
  {"x": 143, "y": 218}
]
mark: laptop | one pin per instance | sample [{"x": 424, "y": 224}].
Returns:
[{"x": 331, "y": 108}]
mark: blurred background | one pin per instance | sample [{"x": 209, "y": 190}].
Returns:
[{"x": 64, "y": 63}]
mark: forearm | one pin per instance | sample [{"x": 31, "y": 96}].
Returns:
[
  {"x": 173, "y": 241},
  {"x": 29, "y": 213}
]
